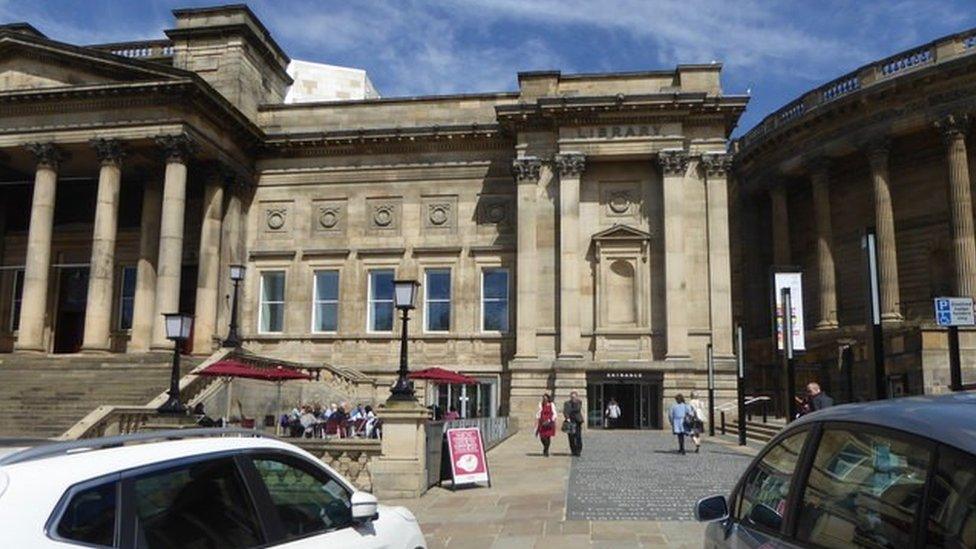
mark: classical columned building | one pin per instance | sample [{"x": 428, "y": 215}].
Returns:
[
  {"x": 886, "y": 149},
  {"x": 570, "y": 235}
]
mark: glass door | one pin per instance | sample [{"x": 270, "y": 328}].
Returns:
[{"x": 595, "y": 405}]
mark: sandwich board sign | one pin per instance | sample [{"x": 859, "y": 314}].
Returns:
[
  {"x": 954, "y": 311},
  {"x": 466, "y": 451}
]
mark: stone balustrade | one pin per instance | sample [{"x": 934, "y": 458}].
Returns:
[
  {"x": 349, "y": 457},
  {"x": 140, "y": 49},
  {"x": 109, "y": 421}
]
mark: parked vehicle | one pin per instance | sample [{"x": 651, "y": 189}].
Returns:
[
  {"x": 892, "y": 473},
  {"x": 189, "y": 488}
]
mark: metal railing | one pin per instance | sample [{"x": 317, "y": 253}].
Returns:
[{"x": 493, "y": 429}]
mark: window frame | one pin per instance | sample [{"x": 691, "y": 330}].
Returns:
[
  {"x": 54, "y": 519},
  {"x": 261, "y": 301},
  {"x": 449, "y": 300},
  {"x": 370, "y": 301},
  {"x": 508, "y": 299},
  {"x": 316, "y": 300},
  {"x": 122, "y": 298}
]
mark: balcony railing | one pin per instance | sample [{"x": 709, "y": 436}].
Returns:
[{"x": 935, "y": 52}]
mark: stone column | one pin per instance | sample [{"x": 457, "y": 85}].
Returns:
[
  {"x": 781, "y": 225},
  {"x": 230, "y": 254},
  {"x": 101, "y": 273},
  {"x": 208, "y": 272},
  {"x": 827, "y": 317},
  {"x": 954, "y": 129},
  {"x": 526, "y": 171},
  {"x": 674, "y": 164},
  {"x": 144, "y": 302},
  {"x": 884, "y": 221},
  {"x": 33, "y": 309},
  {"x": 177, "y": 150},
  {"x": 717, "y": 167},
  {"x": 570, "y": 166}
]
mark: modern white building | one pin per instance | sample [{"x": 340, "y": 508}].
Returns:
[{"x": 320, "y": 82}]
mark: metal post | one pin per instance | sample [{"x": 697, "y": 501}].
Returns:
[
  {"x": 955, "y": 367},
  {"x": 711, "y": 390},
  {"x": 874, "y": 315},
  {"x": 765, "y": 412},
  {"x": 788, "y": 355},
  {"x": 173, "y": 404},
  {"x": 233, "y": 340},
  {"x": 741, "y": 383},
  {"x": 403, "y": 389},
  {"x": 723, "y": 422}
]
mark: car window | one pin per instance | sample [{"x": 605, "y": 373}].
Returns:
[
  {"x": 89, "y": 516},
  {"x": 864, "y": 490},
  {"x": 306, "y": 498},
  {"x": 766, "y": 488},
  {"x": 952, "y": 504},
  {"x": 198, "y": 505}
]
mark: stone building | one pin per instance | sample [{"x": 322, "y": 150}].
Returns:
[
  {"x": 570, "y": 235},
  {"x": 884, "y": 148}
]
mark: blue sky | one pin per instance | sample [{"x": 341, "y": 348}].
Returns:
[{"x": 774, "y": 49}]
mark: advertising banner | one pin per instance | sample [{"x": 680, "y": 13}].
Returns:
[
  {"x": 467, "y": 453},
  {"x": 793, "y": 281}
]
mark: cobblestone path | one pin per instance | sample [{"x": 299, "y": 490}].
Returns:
[{"x": 638, "y": 475}]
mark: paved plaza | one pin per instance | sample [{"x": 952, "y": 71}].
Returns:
[{"x": 527, "y": 503}]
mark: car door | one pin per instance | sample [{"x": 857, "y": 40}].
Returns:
[
  {"x": 312, "y": 508},
  {"x": 759, "y": 509}
]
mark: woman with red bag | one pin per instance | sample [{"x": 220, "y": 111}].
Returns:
[{"x": 546, "y": 422}]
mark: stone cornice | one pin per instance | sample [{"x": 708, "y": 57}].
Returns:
[{"x": 387, "y": 140}]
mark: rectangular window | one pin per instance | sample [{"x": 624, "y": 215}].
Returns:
[
  {"x": 127, "y": 296},
  {"x": 494, "y": 300},
  {"x": 16, "y": 301},
  {"x": 380, "y": 310},
  {"x": 325, "y": 305},
  {"x": 437, "y": 296},
  {"x": 271, "y": 312}
]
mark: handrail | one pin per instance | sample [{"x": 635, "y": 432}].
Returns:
[{"x": 750, "y": 400}]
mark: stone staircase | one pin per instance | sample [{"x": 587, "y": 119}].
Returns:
[
  {"x": 42, "y": 396},
  {"x": 757, "y": 430}
]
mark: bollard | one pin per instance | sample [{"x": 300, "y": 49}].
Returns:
[
  {"x": 723, "y": 423},
  {"x": 765, "y": 413}
]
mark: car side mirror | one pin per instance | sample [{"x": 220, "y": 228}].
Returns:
[
  {"x": 712, "y": 509},
  {"x": 364, "y": 507}
]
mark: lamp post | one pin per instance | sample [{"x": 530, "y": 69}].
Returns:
[
  {"x": 404, "y": 293},
  {"x": 178, "y": 326},
  {"x": 233, "y": 340}
]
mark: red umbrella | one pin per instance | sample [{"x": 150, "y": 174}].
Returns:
[
  {"x": 230, "y": 367},
  {"x": 440, "y": 375}
]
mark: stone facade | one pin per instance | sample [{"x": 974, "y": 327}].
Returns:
[
  {"x": 583, "y": 219},
  {"x": 884, "y": 147}
]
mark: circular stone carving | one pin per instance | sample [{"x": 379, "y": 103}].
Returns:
[
  {"x": 276, "y": 220},
  {"x": 619, "y": 203},
  {"x": 383, "y": 217},
  {"x": 496, "y": 213},
  {"x": 329, "y": 219},
  {"x": 438, "y": 215}
]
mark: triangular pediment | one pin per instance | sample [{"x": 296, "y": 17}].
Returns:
[
  {"x": 621, "y": 233},
  {"x": 29, "y": 62}
]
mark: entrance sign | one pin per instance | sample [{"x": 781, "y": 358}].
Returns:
[
  {"x": 467, "y": 454},
  {"x": 954, "y": 311},
  {"x": 794, "y": 282}
]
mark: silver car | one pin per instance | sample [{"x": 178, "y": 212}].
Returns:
[{"x": 893, "y": 473}]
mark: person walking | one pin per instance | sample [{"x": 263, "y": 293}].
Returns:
[
  {"x": 545, "y": 422},
  {"x": 678, "y": 415},
  {"x": 817, "y": 398},
  {"x": 698, "y": 420},
  {"x": 612, "y": 414},
  {"x": 573, "y": 423}
]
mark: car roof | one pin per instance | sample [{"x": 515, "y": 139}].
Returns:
[{"x": 949, "y": 418}]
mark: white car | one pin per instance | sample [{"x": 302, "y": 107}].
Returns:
[{"x": 196, "y": 488}]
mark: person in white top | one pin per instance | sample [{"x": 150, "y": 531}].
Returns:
[
  {"x": 699, "y": 411},
  {"x": 612, "y": 413}
]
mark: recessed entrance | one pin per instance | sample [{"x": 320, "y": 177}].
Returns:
[
  {"x": 637, "y": 393},
  {"x": 69, "y": 327}
]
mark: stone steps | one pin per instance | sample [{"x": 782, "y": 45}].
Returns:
[{"x": 756, "y": 429}]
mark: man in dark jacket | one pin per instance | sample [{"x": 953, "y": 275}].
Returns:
[
  {"x": 818, "y": 399},
  {"x": 573, "y": 413}
]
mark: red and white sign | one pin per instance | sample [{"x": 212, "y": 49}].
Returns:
[{"x": 467, "y": 453}]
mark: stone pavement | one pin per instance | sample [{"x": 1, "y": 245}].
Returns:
[{"x": 526, "y": 505}]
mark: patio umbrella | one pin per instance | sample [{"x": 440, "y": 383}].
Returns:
[
  {"x": 440, "y": 375},
  {"x": 231, "y": 368}
]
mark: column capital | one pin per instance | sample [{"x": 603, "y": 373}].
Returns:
[
  {"x": 109, "y": 151},
  {"x": 877, "y": 152},
  {"x": 953, "y": 126},
  {"x": 717, "y": 163},
  {"x": 570, "y": 163},
  {"x": 177, "y": 148},
  {"x": 819, "y": 169},
  {"x": 526, "y": 169},
  {"x": 673, "y": 161},
  {"x": 47, "y": 154}
]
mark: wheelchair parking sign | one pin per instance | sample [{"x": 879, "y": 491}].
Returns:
[{"x": 954, "y": 311}]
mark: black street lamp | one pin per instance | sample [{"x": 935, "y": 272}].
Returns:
[
  {"x": 404, "y": 293},
  {"x": 233, "y": 340},
  {"x": 178, "y": 326}
]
